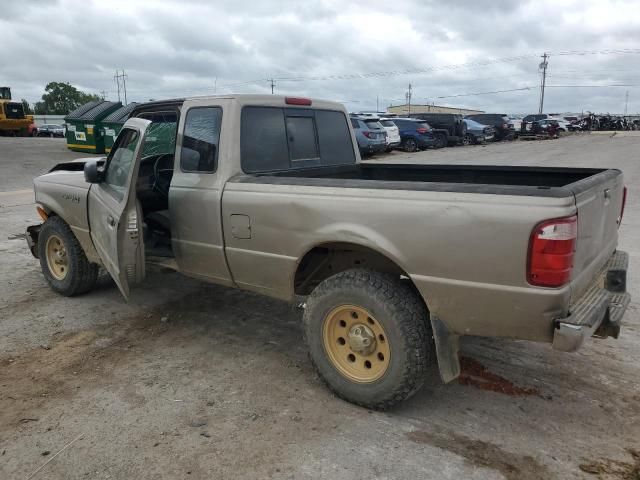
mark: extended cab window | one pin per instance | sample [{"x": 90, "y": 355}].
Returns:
[
  {"x": 120, "y": 162},
  {"x": 274, "y": 138},
  {"x": 201, "y": 138}
]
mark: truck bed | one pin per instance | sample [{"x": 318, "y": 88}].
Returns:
[{"x": 507, "y": 180}]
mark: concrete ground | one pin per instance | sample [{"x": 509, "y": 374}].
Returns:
[{"x": 189, "y": 380}]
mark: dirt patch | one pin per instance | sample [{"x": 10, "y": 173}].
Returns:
[
  {"x": 484, "y": 454},
  {"x": 56, "y": 369},
  {"x": 477, "y": 375},
  {"x": 615, "y": 469}
]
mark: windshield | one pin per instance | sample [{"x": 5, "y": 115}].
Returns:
[{"x": 473, "y": 124}]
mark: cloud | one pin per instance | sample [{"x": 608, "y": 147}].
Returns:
[{"x": 193, "y": 47}]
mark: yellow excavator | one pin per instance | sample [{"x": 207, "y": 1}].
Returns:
[{"x": 13, "y": 121}]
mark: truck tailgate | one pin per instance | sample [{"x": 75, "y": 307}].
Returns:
[{"x": 599, "y": 201}]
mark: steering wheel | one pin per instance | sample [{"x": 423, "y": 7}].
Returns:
[{"x": 162, "y": 174}]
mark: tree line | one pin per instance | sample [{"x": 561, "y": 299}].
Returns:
[{"x": 59, "y": 98}]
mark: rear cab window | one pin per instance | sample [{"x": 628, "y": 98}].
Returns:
[
  {"x": 374, "y": 124},
  {"x": 275, "y": 139}
]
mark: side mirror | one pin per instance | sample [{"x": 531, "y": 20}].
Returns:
[{"x": 92, "y": 174}]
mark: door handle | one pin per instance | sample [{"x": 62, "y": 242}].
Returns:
[{"x": 111, "y": 221}]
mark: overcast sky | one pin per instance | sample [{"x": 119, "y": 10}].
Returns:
[{"x": 190, "y": 47}]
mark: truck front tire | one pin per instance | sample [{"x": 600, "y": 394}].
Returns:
[
  {"x": 369, "y": 337},
  {"x": 63, "y": 262}
]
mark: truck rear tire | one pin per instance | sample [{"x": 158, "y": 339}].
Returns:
[
  {"x": 63, "y": 262},
  {"x": 369, "y": 337}
]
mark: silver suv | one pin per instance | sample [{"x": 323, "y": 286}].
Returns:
[{"x": 370, "y": 134}]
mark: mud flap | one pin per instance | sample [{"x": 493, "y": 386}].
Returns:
[
  {"x": 446, "y": 349},
  {"x": 32, "y": 238}
]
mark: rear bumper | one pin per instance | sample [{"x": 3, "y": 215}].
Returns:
[
  {"x": 425, "y": 142},
  {"x": 376, "y": 148},
  {"x": 599, "y": 311}
]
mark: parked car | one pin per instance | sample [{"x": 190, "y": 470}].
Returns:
[
  {"x": 451, "y": 123},
  {"x": 546, "y": 123},
  {"x": 516, "y": 123},
  {"x": 395, "y": 261},
  {"x": 477, "y": 132},
  {"x": 414, "y": 134},
  {"x": 393, "y": 133},
  {"x": 499, "y": 121},
  {"x": 51, "y": 130},
  {"x": 536, "y": 117},
  {"x": 370, "y": 134}
]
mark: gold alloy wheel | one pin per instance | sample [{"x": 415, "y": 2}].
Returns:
[
  {"x": 57, "y": 259},
  {"x": 356, "y": 343}
]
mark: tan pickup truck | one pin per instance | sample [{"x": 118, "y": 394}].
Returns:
[{"x": 394, "y": 262}]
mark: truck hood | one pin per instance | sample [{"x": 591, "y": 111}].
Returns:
[
  {"x": 75, "y": 165},
  {"x": 66, "y": 174}
]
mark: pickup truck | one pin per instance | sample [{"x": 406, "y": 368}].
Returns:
[{"x": 392, "y": 263}]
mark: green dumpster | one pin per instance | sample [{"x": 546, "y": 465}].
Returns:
[
  {"x": 112, "y": 124},
  {"x": 84, "y": 128}
]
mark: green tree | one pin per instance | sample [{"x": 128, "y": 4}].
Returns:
[
  {"x": 61, "y": 98},
  {"x": 26, "y": 107}
]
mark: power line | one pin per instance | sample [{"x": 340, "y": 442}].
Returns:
[{"x": 482, "y": 93}]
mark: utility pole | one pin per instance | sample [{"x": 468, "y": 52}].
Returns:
[
  {"x": 273, "y": 84},
  {"x": 408, "y": 97},
  {"x": 543, "y": 67},
  {"x": 117, "y": 78},
  {"x": 626, "y": 103}
]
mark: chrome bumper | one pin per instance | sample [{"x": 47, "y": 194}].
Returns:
[{"x": 598, "y": 313}]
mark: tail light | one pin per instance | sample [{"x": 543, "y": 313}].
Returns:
[
  {"x": 551, "y": 249},
  {"x": 367, "y": 134},
  {"x": 422, "y": 130},
  {"x": 624, "y": 202}
]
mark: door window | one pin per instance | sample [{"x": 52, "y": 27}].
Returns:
[{"x": 120, "y": 162}]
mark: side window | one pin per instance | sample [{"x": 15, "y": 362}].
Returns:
[
  {"x": 121, "y": 161},
  {"x": 199, "y": 151},
  {"x": 301, "y": 135},
  {"x": 354, "y": 123}
]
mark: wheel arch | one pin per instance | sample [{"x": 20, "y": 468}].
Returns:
[{"x": 328, "y": 258}]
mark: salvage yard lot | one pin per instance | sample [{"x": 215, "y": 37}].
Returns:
[{"x": 190, "y": 380}]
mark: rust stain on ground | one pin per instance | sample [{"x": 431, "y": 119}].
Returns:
[
  {"x": 614, "y": 469},
  {"x": 477, "y": 375}
]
